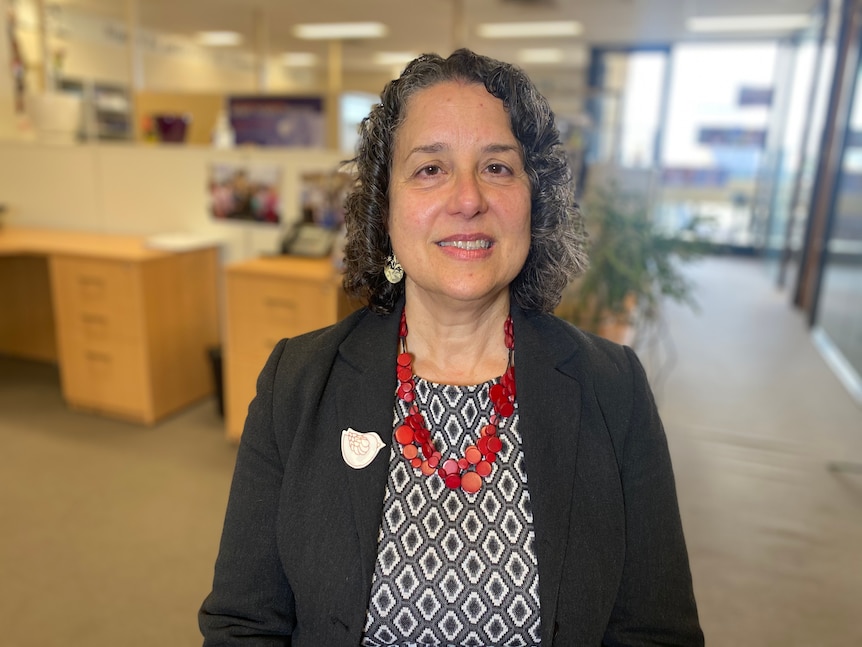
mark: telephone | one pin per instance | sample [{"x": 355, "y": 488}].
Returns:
[{"x": 307, "y": 239}]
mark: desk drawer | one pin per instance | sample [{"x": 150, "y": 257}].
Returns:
[
  {"x": 111, "y": 378},
  {"x": 262, "y": 311},
  {"x": 97, "y": 300}
]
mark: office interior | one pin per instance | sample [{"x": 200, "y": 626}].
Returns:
[{"x": 117, "y": 126}]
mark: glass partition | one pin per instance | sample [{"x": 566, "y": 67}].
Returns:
[{"x": 839, "y": 311}]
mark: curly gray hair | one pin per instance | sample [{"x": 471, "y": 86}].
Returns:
[{"x": 558, "y": 239}]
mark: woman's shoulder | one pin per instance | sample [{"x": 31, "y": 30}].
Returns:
[
  {"x": 317, "y": 345},
  {"x": 589, "y": 349}
]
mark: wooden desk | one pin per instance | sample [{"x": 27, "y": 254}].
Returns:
[
  {"x": 267, "y": 299},
  {"x": 129, "y": 326}
]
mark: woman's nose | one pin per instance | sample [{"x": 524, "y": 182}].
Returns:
[{"x": 467, "y": 197}]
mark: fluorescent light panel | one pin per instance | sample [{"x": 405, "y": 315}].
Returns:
[
  {"x": 394, "y": 58},
  {"x": 540, "y": 55},
  {"x": 219, "y": 38},
  {"x": 338, "y": 30},
  {"x": 530, "y": 29},
  {"x": 777, "y": 22}
]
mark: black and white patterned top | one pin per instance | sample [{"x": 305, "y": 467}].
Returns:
[{"x": 454, "y": 568}]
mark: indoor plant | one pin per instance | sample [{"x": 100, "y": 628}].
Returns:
[{"x": 633, "y": 266}]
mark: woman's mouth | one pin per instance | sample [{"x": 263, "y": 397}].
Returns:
[{"x": 466, "y": 244}]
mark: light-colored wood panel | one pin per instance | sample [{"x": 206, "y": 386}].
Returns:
[
  {"x": 23, "y": 240},
  {"x": 110, "y": 378},
  {"x": 181, "y": 312},
  {"x": 26, "y": 314},
  {"x": 241, "y": 376}
]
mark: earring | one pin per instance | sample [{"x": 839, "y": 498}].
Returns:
[{"x": 392, "y": 270}]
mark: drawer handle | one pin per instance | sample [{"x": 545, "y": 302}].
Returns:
[
  {"x": 92, "y": 287},
  {"x": 273, "y": 302},
  {"x": 96, "y": 356},
  {"x": 98, "y": 320}
]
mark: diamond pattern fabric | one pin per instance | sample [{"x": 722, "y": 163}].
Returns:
[{"x": 454, "y": 568}]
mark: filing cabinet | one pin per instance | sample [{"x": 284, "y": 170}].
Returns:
[
  {"x": 268, "y": 299},
  {"x": 133, "y": 334}
]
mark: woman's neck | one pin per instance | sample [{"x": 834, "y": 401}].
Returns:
[{"x": 463, "y": 345}]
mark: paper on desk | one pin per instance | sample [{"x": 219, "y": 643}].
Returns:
[{"x": 183, "y": 241}]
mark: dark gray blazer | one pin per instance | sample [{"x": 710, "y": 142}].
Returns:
[{"x": 300, "y": 538}]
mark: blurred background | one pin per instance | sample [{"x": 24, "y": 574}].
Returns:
[{"x": 170, "y": 206}]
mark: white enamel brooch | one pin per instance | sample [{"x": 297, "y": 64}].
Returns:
[{"x": 359, "y": 449}]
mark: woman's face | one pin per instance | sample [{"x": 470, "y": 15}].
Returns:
[{"x": 459, "y": 199}]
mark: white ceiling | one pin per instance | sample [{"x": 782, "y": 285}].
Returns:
[{"x": 435, "y": 25}]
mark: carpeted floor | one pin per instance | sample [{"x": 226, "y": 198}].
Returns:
[{"x": 109, "y": 530}]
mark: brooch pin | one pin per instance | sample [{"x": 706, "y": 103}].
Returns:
[{"x": 359, "y": 449}]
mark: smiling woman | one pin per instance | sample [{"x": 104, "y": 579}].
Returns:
[
  {"x": 387, "y": 495},
  {"x": 459, "y": 201}
]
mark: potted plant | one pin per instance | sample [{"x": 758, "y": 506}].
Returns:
[{"x": 633, "y": 267}]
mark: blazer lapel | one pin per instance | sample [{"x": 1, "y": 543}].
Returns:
[
  {"x": 549, "y": 405},
  {"x": 365, "y": 400}
]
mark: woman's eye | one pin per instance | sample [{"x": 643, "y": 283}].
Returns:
[
  {"x": 498, "y": 169},
  {"x": 430, "y": 169}
]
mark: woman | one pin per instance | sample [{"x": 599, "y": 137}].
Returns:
[{"x": 453, "y": 465}]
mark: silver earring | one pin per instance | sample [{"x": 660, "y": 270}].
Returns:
[{"x": 392, "y": 270}]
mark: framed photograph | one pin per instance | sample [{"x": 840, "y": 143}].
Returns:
[{"x": 244, "y": 192}]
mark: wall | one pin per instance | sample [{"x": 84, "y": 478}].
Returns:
[{"x": 143, "y": 189}]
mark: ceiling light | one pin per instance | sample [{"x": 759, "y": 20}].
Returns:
[
  {"x": 338, "y": 30},
  {"x": 394, "y": 58},
  {"x": 778, "y": 22},
  {"x": 540, "y": 55},
  {"x": 299, "y": 59},
  {"x": 219, "y": 38},
  {"x": 530, "y": 29}
]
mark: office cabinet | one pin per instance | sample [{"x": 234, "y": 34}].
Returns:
[
  {"x": 133, "y": 334},
  {"x": 268, "y": 299}
]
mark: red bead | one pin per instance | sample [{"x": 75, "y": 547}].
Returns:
[
  {"x": 409, "y": 452},
  {"x": 494, "y": 444},
  {"x": 482, "y": 445},
  {"x": 427, "y": 450},
  {"x": 404, "y": 435},
  {"x": 507, "y": 409},
  {"x": 433, "y": 461},
  {"x": 426, "y": 468},
  {"x": 473, "y": 455},
  {"x": 490, "y": 457},
  {"x": 471, "y": 482},
  {"x": 483, "y": 468},
  {"x": 408, "y": 397},
  {"x": 404, "y": 359},
  {"x": 489, "y": 430},
  {"x": 497, "y": 393},
  {"x": 416, "y": 462},
  {"x": 463, "y": 464},
  {"x": 453, "y": 481},
  {"x": 450, "y": 466},
  {"x": 404, "y": 374}
]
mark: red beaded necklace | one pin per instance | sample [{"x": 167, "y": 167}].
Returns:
[{"x": 414, "y": 437}]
